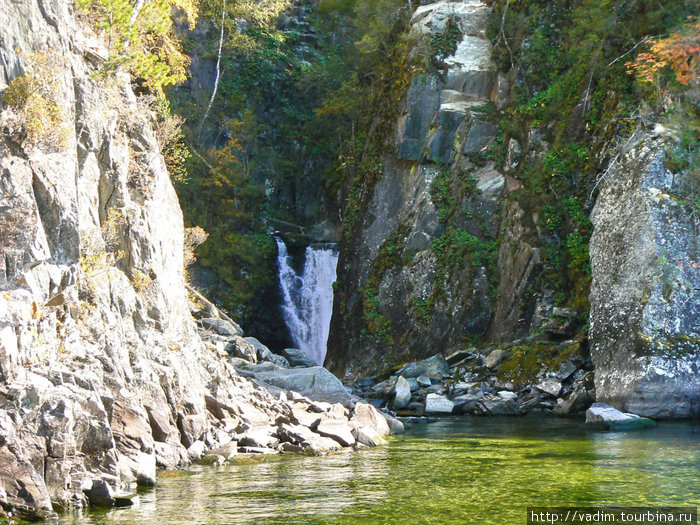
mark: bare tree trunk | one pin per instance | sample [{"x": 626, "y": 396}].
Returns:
[
  {"x": 138, "y": 5},
  {"x": 218, "y": 70}
]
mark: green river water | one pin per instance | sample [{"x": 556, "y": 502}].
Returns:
[{"x": 452, "y": 471}]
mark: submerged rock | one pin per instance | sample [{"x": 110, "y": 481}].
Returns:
[{"x": 601, "y": 415}]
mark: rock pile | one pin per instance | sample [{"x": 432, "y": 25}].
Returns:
[{"x": 468, "y": 382}]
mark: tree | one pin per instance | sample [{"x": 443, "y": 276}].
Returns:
[{"x": 679, "y": 53}]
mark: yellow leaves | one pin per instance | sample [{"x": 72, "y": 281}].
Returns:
[
  {"x": 35, "y": 96},
  {"x": 34, "y": 311},
  {"x": 191, "y": 9},
  {"x": 679, "y": 52}
]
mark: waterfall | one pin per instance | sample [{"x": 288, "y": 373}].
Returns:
[{"x": 307, "y": 298}]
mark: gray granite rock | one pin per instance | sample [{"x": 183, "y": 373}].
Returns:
[
  {"x": 645, "y": 291},
  {"x": 601, "y": 415}
]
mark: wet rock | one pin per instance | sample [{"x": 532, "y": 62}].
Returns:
[
  {"x": 222, "y": 327},
  {"x": 396, "y": 426},
  {"x": 368, "y": 436},
  {"x": 574, "y": 403},
  {"x": 529, "y": 402},
  {"x": 601, "y": 415},
  {"x": 466, "y": 404},
  {"x": 437, "y": 404},
  {"x": 402, "y": 393},
  {"x": 413, "y": 409},
  {"x": 433, "y": 367},
  {"x": 100, "y": 494},
  {"x": 298, "y": 358}
]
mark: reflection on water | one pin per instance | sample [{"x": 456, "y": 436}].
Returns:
[{"x": 471, "y": 470}]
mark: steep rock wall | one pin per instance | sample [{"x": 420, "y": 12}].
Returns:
[
  {"x": 103, "y": 376},
  {"x": 418, "y": 271},
  {"x": 645, "y": 294}
]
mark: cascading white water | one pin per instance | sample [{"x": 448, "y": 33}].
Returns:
[{"x": 307, "y": 298}]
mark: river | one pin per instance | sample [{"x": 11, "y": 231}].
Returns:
[{"x": 452, "y": 471}]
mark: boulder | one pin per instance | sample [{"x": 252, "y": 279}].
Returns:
[
  {"x": 265, "y": 354},
  {"x": 298, "y": 358},
  {"x": 601, "y": 415},
  {"x": 423, "y": 381},
  {"x": 494, "y": 358},
  {"x": 402, "y": 393},
  {"x": 496, "y": 406},
  {"x": 307, "y": 439},
  {"x": 433, "y": 367},
  {"x": 243, "y": 349},
  {"x": 385, "y": 388},
  {"x": 221, "y": 326},
  {"x": 550, "y": 386},
  {"x": 365, "y": 415},
  {"x": 437, "y": 404},
  {"x": 100, "y": 494},
  {"x": 368, "y": 436},
  {"x": 315, "y": 382},
  {"x": 261, "y": 437},
  {"x": 336, "y": 429},
  {"x": 506, "y": 394}
]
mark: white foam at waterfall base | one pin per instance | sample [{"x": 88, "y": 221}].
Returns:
[{"x": 307, "y": 298}]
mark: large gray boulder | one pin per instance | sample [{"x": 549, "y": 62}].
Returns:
[
  {"x": 434, "y": 367},
  {"x": 315, "y": 382},
  {"x": 436, "y": 404},
  {"x": 645, "y": 291},
  {"x": 604, "y": 416}
]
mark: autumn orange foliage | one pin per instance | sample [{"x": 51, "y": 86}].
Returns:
[{"x": 678, "y": 52}]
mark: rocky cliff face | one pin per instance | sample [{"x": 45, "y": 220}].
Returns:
[
  {"x": 103, "y": 375},
  {"x": 419, "y": 273},
  {"x": 645, "y": 295},
  {"x": 474, "y": 228}
]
